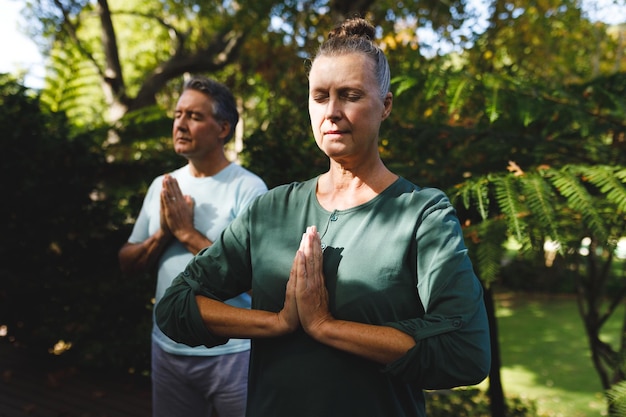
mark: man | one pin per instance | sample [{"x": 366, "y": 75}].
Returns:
[{"x": 183, "y": 212}]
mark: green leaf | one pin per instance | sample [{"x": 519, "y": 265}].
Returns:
[
  {"x": 480, "y": 191},
  {"x": 540, "y": 200},
  {"x": 610, "y": 182},
  {"x": 579, "y": 199},
  {"x": 474, "y": 191},
  {"x": 487, "y": 248},
  {"x": 456, "y": 103},
  {"x": 492, "y": 106},
  {"x": 507, "y": 197},
  {"x": 403, "y": 84}
]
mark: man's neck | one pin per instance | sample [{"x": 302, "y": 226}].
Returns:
[{"x": 207, "y": 168}]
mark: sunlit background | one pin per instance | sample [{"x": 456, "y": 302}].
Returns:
[{"x": 20, "y": 54}]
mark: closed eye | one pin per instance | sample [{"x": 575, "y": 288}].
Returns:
[
  {"x": 319, "y": 97},
  {"x": 189, "y": 114},
  {"x": 352, "y": 96}
]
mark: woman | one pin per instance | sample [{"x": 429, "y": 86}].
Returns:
[{"x": 374, "y": 302}]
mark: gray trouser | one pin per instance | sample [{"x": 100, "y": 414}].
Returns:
[{"x": 199, "y": 386}]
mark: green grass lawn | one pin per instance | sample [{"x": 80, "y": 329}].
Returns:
[{"x": 546, "y": 357}]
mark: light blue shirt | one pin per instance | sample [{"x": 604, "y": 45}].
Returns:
[{"x": 217, "y": 201}]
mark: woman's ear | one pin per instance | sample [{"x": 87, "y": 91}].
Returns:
[{"x": 388, "y": 104}]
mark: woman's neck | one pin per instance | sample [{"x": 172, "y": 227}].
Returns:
[{"x": 340, "y": 188}]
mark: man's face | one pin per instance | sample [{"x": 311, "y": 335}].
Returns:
[{"x": 195, "y": 131}]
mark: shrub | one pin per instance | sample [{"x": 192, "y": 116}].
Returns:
[{"x": 472, "y": 402}]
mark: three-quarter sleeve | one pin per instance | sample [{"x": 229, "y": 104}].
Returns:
[
  {"x": 219, "y": 272},
  {"x": 178, "y": 316},
  {"x": 452, "y": 346}
]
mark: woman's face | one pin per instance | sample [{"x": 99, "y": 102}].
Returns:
[{"x": 345, "y": 106}]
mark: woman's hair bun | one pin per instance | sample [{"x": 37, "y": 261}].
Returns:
[{"x": 357, "y": 27}]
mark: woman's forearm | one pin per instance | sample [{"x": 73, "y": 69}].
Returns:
[
  {"x": 381, "y": 344},
  {"x": 242, "y": 323}
]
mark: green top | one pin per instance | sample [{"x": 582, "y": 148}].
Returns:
[{"x": 397, "y": 260}]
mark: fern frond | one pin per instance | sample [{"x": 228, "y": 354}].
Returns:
[
  {"x": 540, "y": 200},
  {"x": 474, "y": 191},
  {"x": 72, "y": 86},
  {"x": 507, "y": 197},
  {"x": 489, "y": 250},
  {"x": 578, "y": 199},
  {"x": 612, "y": 187},
  {"x": 462, "y": 192},
  {"x": 617, "y": 398},
  {"x": 480, "y": 192}
]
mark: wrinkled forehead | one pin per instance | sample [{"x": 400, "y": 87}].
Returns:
[{"x": 341, "y": 68}]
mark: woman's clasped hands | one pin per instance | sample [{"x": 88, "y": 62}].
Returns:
[{"x": 306, "y": 297}]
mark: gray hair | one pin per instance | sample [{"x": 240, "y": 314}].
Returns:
[
  {"x": 224, "y": 105},
  {"x": 356, "y": 35}
]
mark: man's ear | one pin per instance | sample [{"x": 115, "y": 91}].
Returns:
[{"x": 225, "y": 126}]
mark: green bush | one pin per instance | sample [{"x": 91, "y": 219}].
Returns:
[
  {"x": 532, "y": 275},
  {"x": 60, "y": 279},
  {"x": 472, "y": 402}
]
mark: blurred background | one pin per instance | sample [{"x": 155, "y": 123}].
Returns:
[{"x": 517, "y": 109}]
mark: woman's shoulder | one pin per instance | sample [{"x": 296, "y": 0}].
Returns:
[
  {"x": 419, "y": 199},
  {"x": 402, "y": 185},
  {"x": 294, "y": 187},
  {"x": 288, "y": 194}
]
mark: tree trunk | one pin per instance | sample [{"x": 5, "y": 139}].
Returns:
[
  {"x": 113, "y": 82},
  {"x": 496, "y": 393}
]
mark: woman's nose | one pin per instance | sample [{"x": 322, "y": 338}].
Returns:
[{"x": 333, "y": 110}]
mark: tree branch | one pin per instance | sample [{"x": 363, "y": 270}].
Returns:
[
  {"x": 113, "y": 75},
  {"x": 222, "y": 50}
]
